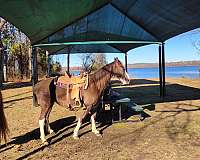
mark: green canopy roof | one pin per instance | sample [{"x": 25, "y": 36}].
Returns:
[
  {"x": 50, "y": 21},
  {"x": 39, "y": 19}
]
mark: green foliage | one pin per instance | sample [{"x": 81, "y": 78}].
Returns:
[
  {"x": 16, "y": 57},
  {"x": 55, "y": 68},
  {"x": 42, "y": 62}
]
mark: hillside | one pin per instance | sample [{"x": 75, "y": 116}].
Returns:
[
  {"x": 146, "y": 65},
  {"x": 150, "y": 65}
]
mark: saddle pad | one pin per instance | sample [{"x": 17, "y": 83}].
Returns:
[{"x": 73, "y": 80}]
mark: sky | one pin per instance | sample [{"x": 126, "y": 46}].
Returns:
[{"x": 179, "y": 48}]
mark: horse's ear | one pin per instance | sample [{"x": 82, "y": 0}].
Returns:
[{"x": 116, "y": 58}]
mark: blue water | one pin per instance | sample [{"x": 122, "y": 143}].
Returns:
[
  {"x": 175, "y": 72},
  {"x": 75, "y": 73}
]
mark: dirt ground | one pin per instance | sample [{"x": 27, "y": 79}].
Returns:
[{"x": 171, "y": 132}]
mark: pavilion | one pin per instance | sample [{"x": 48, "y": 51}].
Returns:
[{"x": 96, "y": 26}]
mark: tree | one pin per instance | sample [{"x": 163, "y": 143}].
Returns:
[
  {"x": 2, "y": 23},
  {"x": 87, "y": 61},
  {"x": 17, "y": 60},
  {"x": 99, "y": 61},
  {"x": 42, "y": 62},
  {"x": 196, "y": 43},
  {"x": 92, "y": 62},
  {"x": 55, "y": 67},
  {"x": 15, "y": 54}
]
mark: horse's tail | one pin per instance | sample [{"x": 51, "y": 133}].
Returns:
[{"x": 4, "y": 131}]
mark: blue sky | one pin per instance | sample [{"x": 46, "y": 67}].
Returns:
[{"x": 179, "y": 48}]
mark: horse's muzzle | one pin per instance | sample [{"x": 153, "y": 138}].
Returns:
[{"x": 126, "y": 79}]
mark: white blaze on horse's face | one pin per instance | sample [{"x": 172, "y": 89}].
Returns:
[
  {"x": 125, "y": 79},
  {"x": 122, "y": 74}
]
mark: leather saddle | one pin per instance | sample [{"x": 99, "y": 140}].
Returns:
[{"x": 74, "y": 86}]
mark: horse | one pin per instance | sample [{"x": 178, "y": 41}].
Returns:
[
  {"x": 46, "y": 93},
  {"x": 4, "y": 131}
]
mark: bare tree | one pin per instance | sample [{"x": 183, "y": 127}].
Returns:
[
  {"x": 196, "y": 43},
  {"x": 99, "y": 61},
  {"x": 2, "y": 23},
  {"x": 92, "y": 62},
  {"x": 87, "y": 61}
]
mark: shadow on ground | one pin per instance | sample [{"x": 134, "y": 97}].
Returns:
[
  {"x": 13, "y": 85},
  {"x": 34, "y": 134},
  {"x": 149, "y": 93},
  {"x": 146, "y": 94}
]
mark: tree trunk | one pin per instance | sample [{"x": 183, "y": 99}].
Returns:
[
  {"x": 30, "y": 61},
  {"x": 21, "y": 62},
  {"x": 1, "y": 64},
  {"x": 5, "y": 66}
]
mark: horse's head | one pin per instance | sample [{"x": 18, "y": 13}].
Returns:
[{"x": 120, "y": 72}]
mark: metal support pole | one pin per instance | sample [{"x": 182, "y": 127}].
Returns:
[
  {"x": 126, "y": 65},
  {"x": 68, "y": 57},
  {"x": 120, "y": 112},
  {"x": 48, "y": 66},
  {"x": 163, "y": 69},
  {"x": 34, "y": 70},
  {"x": 160, "y": 71},
  {"x": 48, "y": 63},
  {"x": 34, "y": 66}
]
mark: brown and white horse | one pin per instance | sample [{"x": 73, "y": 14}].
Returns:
[
  {"x": 3, "y": 123},
  {"x": 47, "y": 93}
]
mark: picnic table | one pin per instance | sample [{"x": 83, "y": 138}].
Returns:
[{"x": 118, "y": 104}]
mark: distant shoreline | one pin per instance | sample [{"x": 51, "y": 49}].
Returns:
[
  {"x": 158, "y": 66},
  {"x": 149, "y": 65},
  {"x": 167, "y": 64}
]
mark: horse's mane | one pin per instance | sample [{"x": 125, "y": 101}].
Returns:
[{"x": 97, "y": 75}]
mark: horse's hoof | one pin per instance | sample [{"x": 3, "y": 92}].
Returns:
[
  {"x": 51, "y": 131},
  {"x": 98, "y": 134},
  {"x": 75, "y": 137},
  {"x": 46, "y": 143}
]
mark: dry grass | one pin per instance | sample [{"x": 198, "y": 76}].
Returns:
[{"x": 172, "y": 132}]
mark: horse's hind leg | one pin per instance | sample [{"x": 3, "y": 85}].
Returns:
[
  {"x": 75, "y": 135},
  {"x": 94, "y": 129},
  {"x": 42, "y": 117},
  {"x": 48, "y": 128}
]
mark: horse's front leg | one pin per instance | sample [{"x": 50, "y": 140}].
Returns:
[
  {"x": 94, "y": 129},
  {"x": 80, "y": 120}
]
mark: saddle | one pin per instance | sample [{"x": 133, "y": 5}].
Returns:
[{"x": 74, "y": 86}]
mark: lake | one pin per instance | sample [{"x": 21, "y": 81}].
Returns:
[{"x": 175, "y": 72}]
